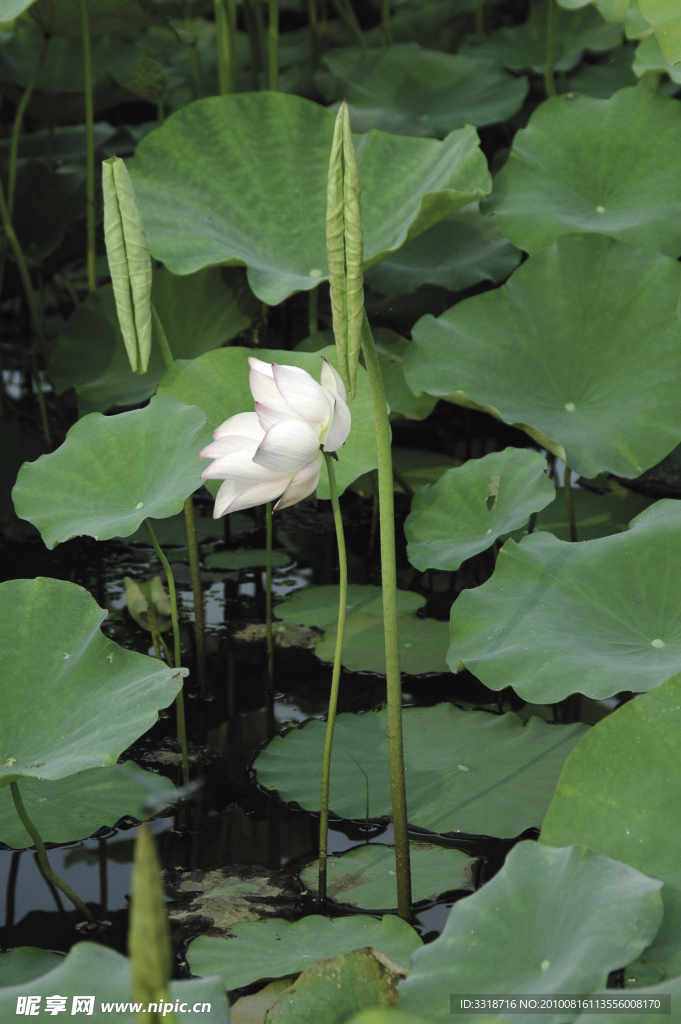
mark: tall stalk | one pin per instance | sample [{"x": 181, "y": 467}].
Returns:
[
  {"x": 273, "y": 45},
  {"x": 179, "y": 700},
  {"x": 569, "y": 502},
  {"x": 335, "y": 679},
  {"x": 551, "y": 42},
  {"x": 89, "y": 148},
  {"x": 44, "y": 863},
  {"x": 314, "y": 32},
  {"x": 391, "y": 636},
  {"x": 386, "y": 30},
  {"x": 224, "y": 45},
  {"x": 199, "y": 624},
  {"x": 193, "y": 52},
  {"x": 268, "y": 606}
]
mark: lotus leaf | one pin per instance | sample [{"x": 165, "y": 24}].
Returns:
[
  {"x": 411, "y": 91},
  {"x": 102, "y": 697},
  {"x": 76, "y": 806},
  {"x": 364, "y": 877},
  {"x": 603, "y": 79},
  {"x": 275, "y": 948},
  {"x": 551, "y": 921},
  {"x": 11, "y": 9},
  {"x": 94, "y": 969},
  {"x": 665, "y": 17},
  {"x": 596, "y": 515},
  {"x": 63, "y": 17},
  {"x": 532, "y": 353},
  {"x": 467, "y": 771},
  {"x": 113, "y": 471},
  {"x": 47, "y": 201},
  {"x": 269, "y": 212},
  {"x": 469, "y": 507},
  {"x": 596, "y": 617},
  {"x": 422, "y": 643},
  {"x": 523, "y": 48},
  {"x": 571, "y": 170},
  {"x": 218, "y": 383},
  {"x": 318, "y": 606},
  {"x": 649, "y": 57},
  {"x": 460, "y": 251},
  {"x": 334, "y": 989},
  {"x": 668, "y": 988},
  {"x": 24, "y": 963},
  {"x": 199, "y": 312}
]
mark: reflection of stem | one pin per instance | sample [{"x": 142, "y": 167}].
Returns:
[
  {"x": 42, "y": 855},
  {"x": 199, "y": 628},
  {"x": 366, "y": 782},
  {"x": 179, "y": 700},
  {"x": 313, "y": 310},
  {"x": 273, "y": 45},
  {"x": 103, "y": 877},
  {"x": 89, "y": 148},
  {"x": 392, "y": 650},
  {"x": 567, "y": 487},
  {"x": 268, "y": 607},
  {"x": 551, "y": 39},
  {"x": 18, "y": 121},
  {"x": 335, "y": 678}
]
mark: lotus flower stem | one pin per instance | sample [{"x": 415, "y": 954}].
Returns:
[
  {"x": 273, "y": 45},
  {"x": 42, "y": 856},
  {"x": 313, "y": 310},
  {"x": 179, "y": 700},
  {"x": 347, "y": 13},
  {"x": 569, "y": 502},
  {"x": 551, "y": 41},
  {"x": 199, "y": 626},
  {"x": 89, "y": 148},
  {"x": 268, "y": 608},
  {"x": 392, "y": 650},
  {"x": 386, "y": 31},
  {"x": 18, "y": 121},
  {"x": 193, "y": 52},
  {"x": 335, "y": 678},
  {"x": 225, "y": 28}
]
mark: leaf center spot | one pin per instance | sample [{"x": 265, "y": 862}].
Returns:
[
  {"x": 139, "y": 504},
  {"x": 657, "y": 643},
  {"x": 462, "y": 767},
  {"x": 545, "y": 964},
  {"x": 316, "y": 272},
  {"x": 600, "y": 209},
  {"x": 570, "y": 406}
]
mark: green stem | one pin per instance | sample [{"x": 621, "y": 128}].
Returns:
[
  {"x": 224, "y": 49},
  {"x": 313, "y": 310},
  {"x": 268, "y": 601},
  {"x": 89, "y": 148},
  {"x": 345, "y": 9},
  {"x": 386, "y": 31},
  {"x": 567, "y": 488},
  {"x": 199, "y": 625},
  {"x": 335, "y": 679},
  {"x": 18, "y": 121},
  {"x": 273, "y": 45},
  {"x": 314, "y": 32},
  {"x": 161, "y": 338},
  {"x": 179, "y": 700},
  {"x": 193, "y": 52},
  {"x": 42, "y": 856},
  {"x": 392, "y": 650},
  {"x": 551, "y": 40}
]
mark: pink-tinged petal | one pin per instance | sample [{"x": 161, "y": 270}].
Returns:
[
  {"x": 340, "y": 426},
  {"x": 302, "y": 485},
  {"x": 268, "y": 415},
  {"x": 245, "y": 424},
  {"x": 260, "y": 366},
  {"x": 258, "y": 494},
  {"x": 332, "y": 380},
  {"x": 228, "y": 491},
  {"x": 227, "y": 445},
  {"x": 239, "y": 466},
  {"x": 302, "y": 393},
  {"x": 264, "y": 388},
  {"x": 287, "y": 447}
]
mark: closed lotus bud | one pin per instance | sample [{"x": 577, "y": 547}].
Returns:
[
  {"x": 143, "y": 597},
  {"x": 129, "y": 261},
  {"x": 149, "y": 936},
  {"x": 344, "y": 249}
]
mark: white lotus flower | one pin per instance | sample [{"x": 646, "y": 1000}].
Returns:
[{"x": 274, "y": 452}]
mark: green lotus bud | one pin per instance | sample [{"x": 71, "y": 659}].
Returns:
[
  {"x": 149, "y": 937},
  {"x": 140, "y": 597},
  {"x": 129, "y": 261},
  {"x": 344, "y": 249}
]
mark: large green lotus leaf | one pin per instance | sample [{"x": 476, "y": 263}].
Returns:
[
  {"x": 269, "y": 212},
  {"x": 46, "y": 202},
  {"x": 422, "y": 644},
  {"x": 76, "y": 806},
  {"x": 603, "y": 79},
  {"x": 469, "y": 507},
  {"x": 218, "y": 383},
  {"x": 63, "y": 17},
  {"x": 524, "y": 47},
  {"x": 199, "y": 312},
  {"x": 649, "y": 57},
  {"x": 274, "y": 948},
  {"x": 596, "y": 515},
  {"x": 571, "y": 169},
  {"x": 318, "y": 606},
  {"x": 11, "y": 9},
  {"x": 97, "y": 970},
  {"x": 112, "y": 472},
  {"x": 532, "y": 353},
  {"x": 466, "y": 771},
  {"x": 411, "y": 91},
  {"x": 665, "y": 17},
  {"x": 22, "y": 964},
  {"x": 364, "y": 877},
  {"x": 667, "y": 988},
  {"x": 460, "y": 251},
  {"x": 551, "y": 921},
  {"x": 596, "y": 617},
  {"x": 71, "y": 699}
]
